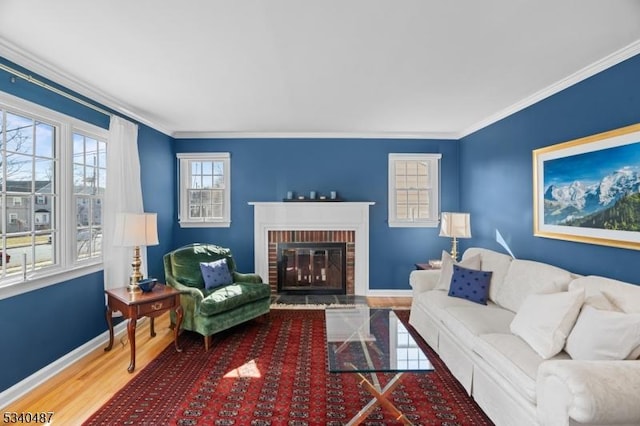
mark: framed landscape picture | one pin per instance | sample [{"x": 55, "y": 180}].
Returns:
[{"x": 588, "y": 189}]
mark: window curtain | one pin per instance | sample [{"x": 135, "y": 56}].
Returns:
[{"x": 122, "y": 195}]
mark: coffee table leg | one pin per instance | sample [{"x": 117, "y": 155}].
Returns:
[{"x": 380, "y": 398}]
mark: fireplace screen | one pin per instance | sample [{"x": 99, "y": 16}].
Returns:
[{"x": 312, "y": 268}]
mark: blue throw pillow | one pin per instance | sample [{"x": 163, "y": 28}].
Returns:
[
  {"x": 216, "y": 274},
  {"x": 470, "y": 284}
]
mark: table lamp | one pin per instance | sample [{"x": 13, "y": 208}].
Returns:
[
  {"x": 135, "y": 230},
  {"x": 455, "y": 225}
]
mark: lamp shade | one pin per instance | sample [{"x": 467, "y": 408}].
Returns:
[
  {"x": 455, "y": 225},
  {"x": 136, "y": 229}
]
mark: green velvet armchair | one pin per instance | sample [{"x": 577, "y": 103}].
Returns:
[{"x": 210, "y": 311}]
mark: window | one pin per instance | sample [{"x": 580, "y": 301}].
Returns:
[
  {"x": 50, "y": 165},
  {"x": 205, "y": 189},
  {"x": 414, "y": 190},
  {"x": 89, "y": 179}
]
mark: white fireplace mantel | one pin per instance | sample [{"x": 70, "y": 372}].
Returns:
[{"x": 308, "y": 216}]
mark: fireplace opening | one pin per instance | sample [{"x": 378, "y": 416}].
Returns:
[{"x": 312, "y": 268}]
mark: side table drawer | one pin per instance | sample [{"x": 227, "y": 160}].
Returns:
[{"x": 155, "y": 306}]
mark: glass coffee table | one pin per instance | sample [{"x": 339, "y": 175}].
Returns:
[{"x": 366, "y": 341}]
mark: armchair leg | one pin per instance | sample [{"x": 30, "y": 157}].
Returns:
[{"x": 207, "y": 343}]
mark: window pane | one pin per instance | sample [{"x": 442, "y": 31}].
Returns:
[
  {"x": 102, "y": 154},
  {"x": 83, "y": 211},
  {"x": 19, "y": 134},
  {"x": 218, "y": 168},
  {"x": 423, "y": 169},
  {"x": 19, "y": 172},
  {"x": 45, "y": 139},
  {"x": 78, "y": 148},
  {"x": 96, "y": 212}
]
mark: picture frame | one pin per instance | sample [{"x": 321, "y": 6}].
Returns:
[{"x": 588, "y": 190}]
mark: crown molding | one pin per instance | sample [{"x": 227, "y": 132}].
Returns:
[
  {"x": 37, "y": 66},
  {"x": 586, "y": 72},
  {"x": 316, "y": 135}
]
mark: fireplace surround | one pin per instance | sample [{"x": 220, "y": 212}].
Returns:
[{"x": 312, "y": 222}]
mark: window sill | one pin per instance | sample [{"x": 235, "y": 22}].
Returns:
[
  {"x": 221, "y": 224},
  {"x": 424, "y": 224},
  {"x": 16, "y": 286}
]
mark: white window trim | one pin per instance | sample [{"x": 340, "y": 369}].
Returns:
[
  {"x": 434, "y": 161},
  {"x": 66, "y": 268},
  {"x": 183, "y": 182}
]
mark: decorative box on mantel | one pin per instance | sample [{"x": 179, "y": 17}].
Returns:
[{"x": 347, "y": 218}]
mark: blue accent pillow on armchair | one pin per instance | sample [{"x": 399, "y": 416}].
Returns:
[
  {"x": 470, "y": 284},
  {"x": 216, "y": 274}
]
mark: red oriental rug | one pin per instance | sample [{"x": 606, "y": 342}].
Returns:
[{"x": 274, "y": 372}]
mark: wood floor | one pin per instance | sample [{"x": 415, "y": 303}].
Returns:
[{"x": 81, "y": 389}]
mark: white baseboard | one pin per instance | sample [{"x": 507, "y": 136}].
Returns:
[
  {"x": 389, "y": 293},
  {"x": 39, "y": 377}
]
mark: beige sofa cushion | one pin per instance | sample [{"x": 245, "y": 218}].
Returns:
[
  {"x": 446, "y": 271},
  {"x": 497, "y": 263},
  {"x": 545, "y": 320},
  {"x": 603, "y": 335},
  {"x": 527, "y": 277},
  {"x": 468, "y": 322}
]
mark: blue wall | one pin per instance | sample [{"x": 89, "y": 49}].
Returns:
[
  {"x": 497, "y": 172},
  {"x": 265, "y": 169},
  {"x": 40, "y": 326},
  {"x": 158, "y": 176}
]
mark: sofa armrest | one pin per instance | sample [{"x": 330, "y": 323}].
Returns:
[
  {"x": 239, "y": 277},
  {"x": 603, "y": 392},
  {"x": 423, "y": 280}
]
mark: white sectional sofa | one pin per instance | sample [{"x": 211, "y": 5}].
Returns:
[{"x": 503, "y": 352}]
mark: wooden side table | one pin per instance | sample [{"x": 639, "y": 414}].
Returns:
[{"x": 138, "y": 305}]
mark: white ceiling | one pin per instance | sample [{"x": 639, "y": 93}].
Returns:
[{"x": 398, "y": 68}]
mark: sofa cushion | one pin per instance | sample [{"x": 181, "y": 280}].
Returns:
[
  {"x": 470, "y": 284},
  {"x": 514, "y": 360},
  {"x": 497, "y": 263},
  {"x": 624, "y": 296},
  {"x": 466, "y": 323},
  {"x": 215, "y": 274},
  {"x": 603, "y": 335},
  {"x": 545, "y": 320},
  {"x": 436, "y": 302},
  {"x": 527, "y": 277},
  {"x": 232, "y": 296},
  {"x": 446, "y": 271}
]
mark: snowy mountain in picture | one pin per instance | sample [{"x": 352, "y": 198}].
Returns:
[{"x": 576, "y": 200}]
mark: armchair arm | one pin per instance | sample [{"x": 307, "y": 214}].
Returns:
[
  {"x": 603, "y": 392},
  {"x": 196, "y": 293},
  {"x": 239, "y": 277},
  {"x": 423, "y": 280}
]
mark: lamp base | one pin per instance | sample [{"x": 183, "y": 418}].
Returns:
[
  {"x": 136, "y": 276},
  {"x": 454, "y": 249}
]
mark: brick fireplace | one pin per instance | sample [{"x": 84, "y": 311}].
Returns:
[
  {"x": 278, "y": 238},
  {"x": 279, "y": 222}
]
